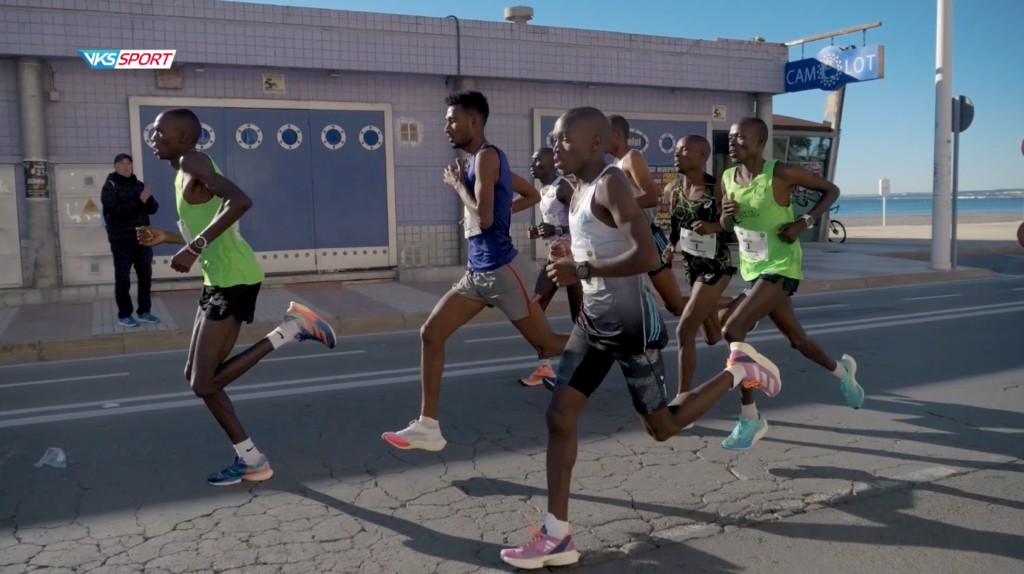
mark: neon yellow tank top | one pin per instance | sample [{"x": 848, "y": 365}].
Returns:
[
  {"x": 758, "y": 221},
  {"x": 228, "y": 260}
]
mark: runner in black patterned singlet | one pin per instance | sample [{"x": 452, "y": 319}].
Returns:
[{"x": 697, "y": 239}]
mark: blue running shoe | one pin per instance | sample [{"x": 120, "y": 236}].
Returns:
[
  {"x": 148, "y": 318},
  {"x": 238, "y": 471},
  {"x": 128, "y": 322},
  {"x": 853, "y": 393},
  {"x": 746, "y": 433},
  {"x": 311, "y": 326}
]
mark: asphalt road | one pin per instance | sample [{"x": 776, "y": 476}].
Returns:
[{"x": 941, "y": 365}]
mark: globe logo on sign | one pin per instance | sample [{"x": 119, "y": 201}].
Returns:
[
  {"x": 830, "y": 70},
  {"x": 638, "y": 140}
]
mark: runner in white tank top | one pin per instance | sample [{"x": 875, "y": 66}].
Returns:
[
  {"x": 611, "y": 250},
  {"x": 554, "y": 211},
  {"x": 648, "y": 197}
]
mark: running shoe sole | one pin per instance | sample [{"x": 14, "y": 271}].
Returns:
[
  {"x": 562, "y": 559},
  {"x": 402, "y": 444},
  {"x": 257, "y": 477},
  {"x": 764, "y": 363}
]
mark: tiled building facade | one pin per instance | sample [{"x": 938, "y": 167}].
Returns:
[{"x": 327, "y": 55}]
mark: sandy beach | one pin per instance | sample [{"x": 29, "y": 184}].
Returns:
[{"x": 873, "y": 221}]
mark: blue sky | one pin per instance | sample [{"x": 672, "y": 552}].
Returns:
[{"x": 888, "y": 125}]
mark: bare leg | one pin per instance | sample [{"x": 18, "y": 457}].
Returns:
[
  {"x": 787, "y": 323},
  {"x": 686, "y": 408},
  {"x": 451, "y": 312},
  {"x": 702, "y": 306},
  {"x": 563, "y": 418},
  {"x": 545, "y": 289},
  {"x": 537, "y": 331},
  {"x": 668, "y": 288},
  {"x": 764, "y": 298},
  {"x": 712, "y": 327},
  {"x": 213, "y": 341}
]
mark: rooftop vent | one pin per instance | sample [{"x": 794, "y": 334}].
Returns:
[{"x": 519, "y": 14}]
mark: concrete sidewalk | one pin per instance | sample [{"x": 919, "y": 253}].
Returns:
[{"x": 75, "y": 330}]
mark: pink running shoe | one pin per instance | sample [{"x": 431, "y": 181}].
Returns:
[
  {"x": 542, "y": 551},
  {"x": 758, "y": 371}
]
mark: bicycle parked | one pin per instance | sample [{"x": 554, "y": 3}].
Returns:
[{"x": 836, "y": 230}]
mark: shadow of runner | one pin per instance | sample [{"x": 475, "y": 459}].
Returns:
[{"x": 487, "y": 554}]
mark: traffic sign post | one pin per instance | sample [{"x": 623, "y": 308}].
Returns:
[{"x": 963, "y": 117}]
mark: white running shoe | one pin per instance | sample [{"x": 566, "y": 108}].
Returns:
[{"x": 416, "y": 436}]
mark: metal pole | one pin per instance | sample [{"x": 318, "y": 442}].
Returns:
[
  {"x": 941, "y": 215},
  {"x": 842, "y": 32},
  {"x": 883, "y": 211},
  {"x": 833, "y": 155},
  {"x": 956, "y": 181}
]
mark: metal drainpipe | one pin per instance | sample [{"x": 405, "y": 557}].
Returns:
[
  {"x": 458, "y": 45},
  {"x": 42, "y": 271}
]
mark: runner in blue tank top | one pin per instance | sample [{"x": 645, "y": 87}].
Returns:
[{"x": 495, "y": 276}]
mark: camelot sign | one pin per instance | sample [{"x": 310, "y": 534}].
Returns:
[{"x": 834, "y": 67}]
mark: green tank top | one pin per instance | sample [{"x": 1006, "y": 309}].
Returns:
[
  {"x": 228, "y": 260},
  {"x": 758, "y": 221}
]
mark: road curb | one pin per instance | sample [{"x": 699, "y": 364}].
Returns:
[
  {"x": 978, "y": 251},
  {"x": 128, "y": 343}
]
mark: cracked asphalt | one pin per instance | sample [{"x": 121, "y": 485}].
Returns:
[{"x": 927, "y": 477}]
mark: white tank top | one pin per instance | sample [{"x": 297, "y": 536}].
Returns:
[
  {"x": 619, "y": 313},
  {"x": 552, "y": 211},
  {"x": 651, "y": 213}
]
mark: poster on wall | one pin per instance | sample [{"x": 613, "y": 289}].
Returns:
[{"x": 37, "y": 181}]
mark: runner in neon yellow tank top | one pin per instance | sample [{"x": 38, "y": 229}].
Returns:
[
  {"x": 757, "y": 208},
  {"x": 209, "y": 207}
]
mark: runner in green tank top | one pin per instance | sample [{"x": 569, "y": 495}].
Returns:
[
  {"x": 209, "y": 207},
  {"x": 757, "y": 208}
]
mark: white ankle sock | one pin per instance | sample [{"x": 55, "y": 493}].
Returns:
[
  {"x": 429, "y": 422},
  {"x": 556, "y": 528},
  {"x": 248, "y": 452},
  {"x": 738, "y": 372},
  {"x": 749, "y": 411},
  {"x": 285, "y": 333},
  {"x": 840, "y": 372},
  {"x": 546, "y": 363}
]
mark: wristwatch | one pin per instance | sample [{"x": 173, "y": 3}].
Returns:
[
  {"x": 583, "y": 270},
  {"x": 558, "y": 231},
  {"x": 201, "y": 243},
  {"x": 808, "y": 220}
]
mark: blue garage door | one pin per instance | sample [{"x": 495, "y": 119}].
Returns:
[
  {"x": 318, "y": 180},
  {"x": 350, "y": 189},
  {"x": 274, "y": 170}
]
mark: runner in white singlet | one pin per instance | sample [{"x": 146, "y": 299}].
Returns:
[
  {"x": 648, "y": 197},
  {"x": 611, "y": 250},
  {"x": 554, "y": 213}
]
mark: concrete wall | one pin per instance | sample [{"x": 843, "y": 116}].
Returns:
[{"x": 235, "y": 43}]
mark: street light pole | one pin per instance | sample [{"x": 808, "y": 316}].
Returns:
[{"x": 942, "y": 219}]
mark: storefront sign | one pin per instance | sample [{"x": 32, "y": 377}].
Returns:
[
  {"x": 37, "y": 180},
  {"x": 834, "y": 67}
]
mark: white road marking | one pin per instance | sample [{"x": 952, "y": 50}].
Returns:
[
  {"x": 820, "y": 307},
  {"x": 373, "y": 379},
  {"x": 314, "y": 356},
  {"x": 67, "y": 380},
  {"x": 493, "y": 339},
  {"x": 1016, "y": 256},
  {"x": 932, "y": 297},
  {"x": 1018, "y": 289}
]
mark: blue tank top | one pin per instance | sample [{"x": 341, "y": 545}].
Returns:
[{"x": 492, "y": 248}]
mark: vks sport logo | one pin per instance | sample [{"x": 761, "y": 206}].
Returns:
[{"x": 128, "y": 59}]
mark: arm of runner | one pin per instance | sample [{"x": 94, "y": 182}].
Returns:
[
  {"x": 564, "y": 195},
  {"x": 710, "y": 227},
  {"x": 616, "y": 196},
  {"x": 636, "y": 167},
  {"x": 794, "y": 175},
  {"x": 673, "y": 236},
  {"x": 528, "y": 195},
  {"x": 234, "y": 201},
  {"x": 481, "y": 202},
  {"x": 151, "y": 236},
  {"x": 729, "y": 208}
]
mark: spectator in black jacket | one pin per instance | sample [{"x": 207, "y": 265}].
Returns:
[{"x": 127, "y": 204}]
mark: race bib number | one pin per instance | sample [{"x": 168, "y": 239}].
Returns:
[
  {"x": 586, "y": 253},
  {"x": 705, "y": 246},
  {"x": 753, "y": 244},
  {"x": 470, "y": 224},
  {"x": 183, "y": 230}
]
